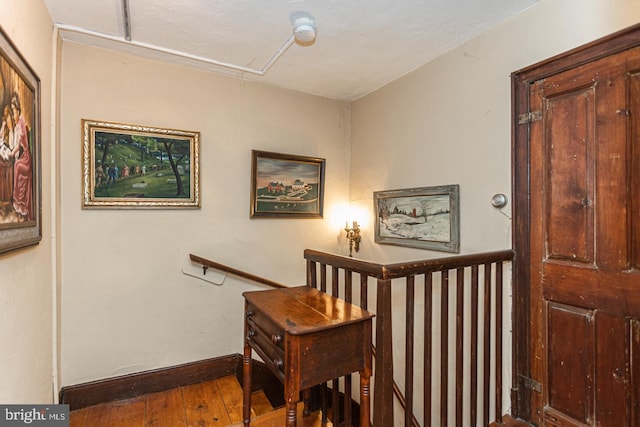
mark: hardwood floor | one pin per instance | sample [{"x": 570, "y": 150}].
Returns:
[{"x": 216, "y": 403}]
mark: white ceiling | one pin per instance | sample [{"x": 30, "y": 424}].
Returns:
[{"x": 361, "y": 45}]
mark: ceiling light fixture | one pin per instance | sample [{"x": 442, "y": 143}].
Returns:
[
  {"x": 304, "y": 34},
  {"x": 304, "y": 27}
]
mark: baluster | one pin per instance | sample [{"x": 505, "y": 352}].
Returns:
[
  {"x": 383, "y": 396},
  {"x": 312, "y": 274},
  {"x": 487, "y": 341},
  {"x": 459, "y": 343},
  {"x": 347, "y": 400},
  {"x": 444, "y": 349},
  {"x": 335, "y": 398},
  {"x": 498, "y": 356},
  {"x": 408, "y": 377},
  {"x": 323, "y": 386},
  {"x": 473, "y": 407},
  {"x": 428, "y": 346},
  {"x": 335, "y": 281},
  {"x": 323, "y": 277},
  {"x": 348, "y": 296},
  {"x": 335, "y": 401},
  {"x": 364, "y": 292}
]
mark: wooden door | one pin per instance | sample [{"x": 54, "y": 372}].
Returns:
[{"x": 583, "y": 242}]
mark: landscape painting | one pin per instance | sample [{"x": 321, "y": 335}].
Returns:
[
  {"x": 426, "y": 218},
  {"x": 131, "y": 166},
  {"x": 286, "y": 186},
  {"x": 20, "y": 180}
]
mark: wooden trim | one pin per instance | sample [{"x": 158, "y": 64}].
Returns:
[
  {"x": 605, "y": 46},
  {"x": 520, "y": 396},
  {"x": 132, "y": 385}
]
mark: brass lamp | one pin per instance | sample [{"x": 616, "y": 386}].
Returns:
[{"x": 353, "y": 236}]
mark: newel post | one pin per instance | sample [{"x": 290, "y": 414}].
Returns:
[{"x": 383, "y": 380}]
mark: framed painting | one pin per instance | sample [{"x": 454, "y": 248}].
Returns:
[
  {"x": 425, "y": 218},
  {"x": 20, "y": 179},
  {"x": 286, "y": 186},
  {"x": 132, "y": 166}
]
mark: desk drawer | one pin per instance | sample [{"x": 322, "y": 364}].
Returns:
[
  {"x": 266, "y": 325},
  {"x": 262, "y": 343}
]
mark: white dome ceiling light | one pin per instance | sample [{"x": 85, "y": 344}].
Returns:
[{"x": 304, "y": 28}]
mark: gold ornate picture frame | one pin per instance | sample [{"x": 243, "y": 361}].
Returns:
[{"x": 133, "y": 166}]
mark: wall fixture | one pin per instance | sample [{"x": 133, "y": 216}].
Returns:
[
  {"x": 202, "y": 272},
  {"x": 353, "y": 236},
  {"x": 304, "y": 34},
  {"x": 499, "y": 200}
]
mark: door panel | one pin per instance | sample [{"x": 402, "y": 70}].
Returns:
[
  {"x": 570, "y": 367},
  {"x": 569, "y": 154},
  {"x": 584, "y": 254},
  {"x": 612, "y": 369}
]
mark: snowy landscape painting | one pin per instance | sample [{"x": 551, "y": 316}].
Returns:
[{"x": 426, "y": 218}]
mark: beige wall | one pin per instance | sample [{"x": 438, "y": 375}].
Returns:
[
  {"x": 126, "y": 306},
  {"x": 26, "y": 276},
  {"x": 449, "y": 122}
]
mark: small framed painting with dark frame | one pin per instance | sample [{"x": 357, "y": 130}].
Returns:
[
  {"x": 425, "y": 218},
  {"x": 286, "y": 185}
]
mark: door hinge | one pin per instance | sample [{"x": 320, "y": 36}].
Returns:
[
  {"x": 531, "y": 384},
  {"x": 532, "y": 116}
]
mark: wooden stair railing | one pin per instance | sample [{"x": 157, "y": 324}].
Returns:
[
  {"x": 484, "y": 343},
  {"x": 346, "y": 415},
  {"x": 485, "y": 316}
]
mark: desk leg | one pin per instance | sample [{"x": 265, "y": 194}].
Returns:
[
  {"x": 306, "y": 397},
  {"x": 246, "y": 384},
  {"x": 365, "y": 409},
  {"x": 292, "y": 414}
]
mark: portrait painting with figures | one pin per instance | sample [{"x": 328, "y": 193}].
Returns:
[{"x": 20, "y": 222}]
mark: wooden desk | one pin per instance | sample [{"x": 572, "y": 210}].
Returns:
[{"x": 306, "y": 337}]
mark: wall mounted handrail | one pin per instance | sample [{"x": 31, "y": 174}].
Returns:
[{"x": 206, "y": 263}]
